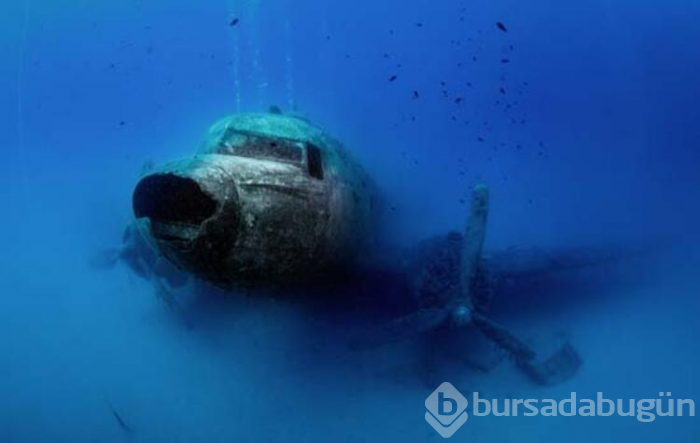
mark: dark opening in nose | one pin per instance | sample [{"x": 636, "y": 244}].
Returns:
[{"x": 173, "y": 199}]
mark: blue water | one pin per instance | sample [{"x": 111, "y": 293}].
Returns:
[{"x": 587, "y": 136}]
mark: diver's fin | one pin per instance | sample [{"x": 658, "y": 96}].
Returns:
[
  {"x": 559, "y": 367},
  {"x": 105, "y": 259},
  {"x": 400, "y": 329}
]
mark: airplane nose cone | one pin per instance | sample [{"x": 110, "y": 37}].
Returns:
[
  {"x": 193, "y": 218},
  {"x": 169, "y": 198}
]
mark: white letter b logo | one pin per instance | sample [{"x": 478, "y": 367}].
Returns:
[{"x": 446, "y": 410}]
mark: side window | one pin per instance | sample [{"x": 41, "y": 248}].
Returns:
[{"x": 314, "y": 161}]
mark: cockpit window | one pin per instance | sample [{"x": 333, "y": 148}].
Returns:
[
  {"x": 314, "y": 161},
  {"x": 251, "y": 145}
]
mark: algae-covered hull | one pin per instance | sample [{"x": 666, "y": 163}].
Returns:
[{"x": 268, "y": 199}]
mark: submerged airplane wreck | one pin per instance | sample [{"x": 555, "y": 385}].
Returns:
[
  {"x": 268, "y": 199},
  {"x": 273, "y": 201}
]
